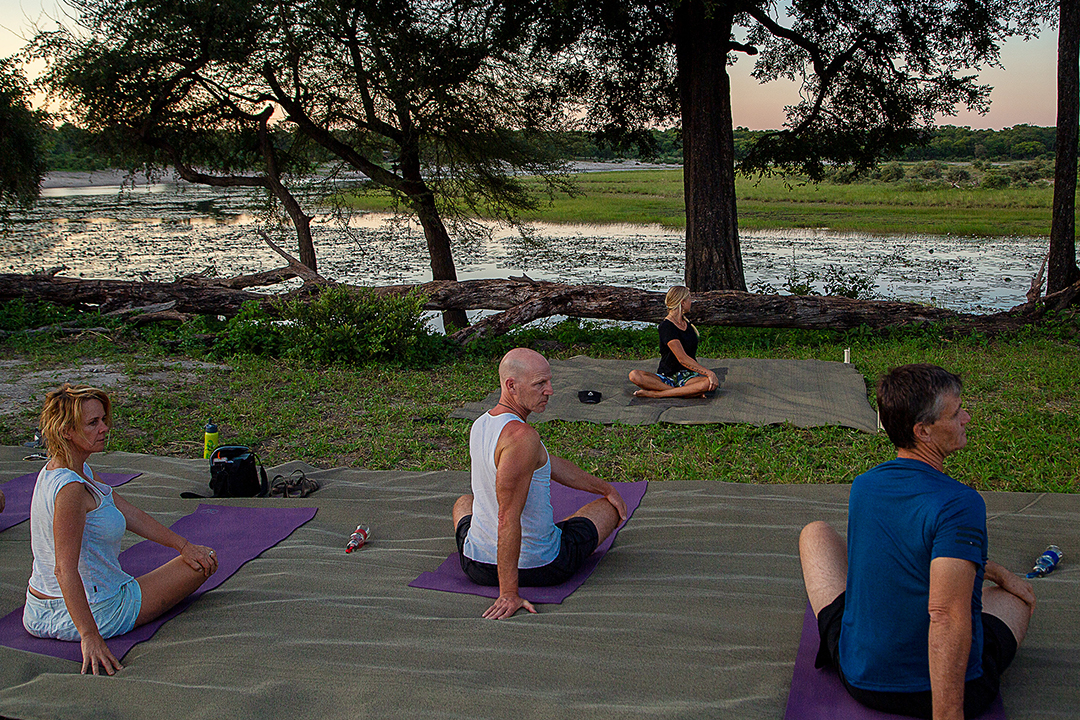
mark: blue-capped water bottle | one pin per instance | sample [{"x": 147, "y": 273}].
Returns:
[{"x": 1046, "y": 562}]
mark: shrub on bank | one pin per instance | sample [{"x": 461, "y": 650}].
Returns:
[
  {"x": 356, "y": 327},
  {"x": 337, "y": 325},
  {"x": 18, "y": 315}
]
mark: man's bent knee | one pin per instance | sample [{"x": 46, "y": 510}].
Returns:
[
  {"x": 462, "y": 507},
  {"x": 818, "y": 532},
  {"x": 1011, "y": 609},
  {"x": 603, "y": 515}
]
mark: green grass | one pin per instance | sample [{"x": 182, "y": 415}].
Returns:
[
  {"x": 656, "y": 196},
  {"x": 1021, "y": 390}
]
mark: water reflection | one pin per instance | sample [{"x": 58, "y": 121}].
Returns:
[{"x": 164, "y": 231}]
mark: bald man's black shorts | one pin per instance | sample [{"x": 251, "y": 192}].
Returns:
[{"x": 579, "y": 541}]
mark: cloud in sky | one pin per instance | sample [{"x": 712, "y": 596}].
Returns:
[{"x": 1024, "y": 92}]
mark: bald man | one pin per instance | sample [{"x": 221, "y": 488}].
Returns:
[{"x": 505, "y": 530}]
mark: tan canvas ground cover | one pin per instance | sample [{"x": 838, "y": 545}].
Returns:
[
  {"x": 695, "y": 613},
  {"x": 805, "y": 393}
]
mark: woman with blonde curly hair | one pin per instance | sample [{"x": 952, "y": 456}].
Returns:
[
  {"x": 679, "y": 373},
  {"x": 77, "y": 590}
]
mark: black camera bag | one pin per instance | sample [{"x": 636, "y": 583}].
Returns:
[{"x": 235, "y": 472}]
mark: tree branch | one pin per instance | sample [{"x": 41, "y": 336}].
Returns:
[
  {"x": 324, "y": 137},
  {"x": 297, "y": 268},
  {"x": 194, "y": 176}
]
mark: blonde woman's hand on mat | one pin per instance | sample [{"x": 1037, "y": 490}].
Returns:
[
  {"x": 97, "y": 655},
  {"x": 1, "y": 501}
]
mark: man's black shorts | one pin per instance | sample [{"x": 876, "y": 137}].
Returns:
[
  {"x": 999, "y": 648},
  {"x": 579, "y": 540}
]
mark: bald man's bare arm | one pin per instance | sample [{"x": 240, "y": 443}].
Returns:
[
  {"x": 567, "y": 473},
  {"x": 516, "y": 457}
]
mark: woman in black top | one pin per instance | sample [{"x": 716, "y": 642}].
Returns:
[{"x": 679, "y": 374}]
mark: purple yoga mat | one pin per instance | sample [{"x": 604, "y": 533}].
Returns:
[
  {"x": 237, "y": 534},
  {"x": 564, "y": 502},
  {"x": 819, "y": 694},
  {"x": 19, "y": 492}
]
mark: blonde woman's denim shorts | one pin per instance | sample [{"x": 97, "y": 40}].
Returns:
[{"x": 114, "y": 616}]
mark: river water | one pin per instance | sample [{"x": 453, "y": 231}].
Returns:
[{"x": 162, "y": 231}]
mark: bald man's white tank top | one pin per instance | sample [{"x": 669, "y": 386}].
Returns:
[{"x": 540, "y": 539}]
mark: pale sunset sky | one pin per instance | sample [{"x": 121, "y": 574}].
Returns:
[{"x": 1024, "y": 91}]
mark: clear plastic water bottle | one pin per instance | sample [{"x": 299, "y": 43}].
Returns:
[
  {"x": 1046, "y": 562},
  {"x": 358, "y": 538}
]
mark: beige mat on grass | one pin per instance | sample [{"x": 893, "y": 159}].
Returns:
[
  {"x": 694, "y": 613},
  {"x": 805, "y": 393}
]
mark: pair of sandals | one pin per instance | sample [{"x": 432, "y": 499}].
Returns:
[{"x": 296, "y": 485}]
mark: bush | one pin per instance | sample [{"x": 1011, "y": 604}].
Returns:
[
  {"x": 890, "y": 172},
  {"x": 1026, "y": 171},
  {"x": 995, "y": 180},
  {"x": 929, "y": 170},
  {"x": 840, "y": 283},
  {"x": 843, "y": 175},
  {"x": 958, "y": 175},
  {"x": 250, "y": 332},
  {"x": 357, "y": 327},
  {"x": 835, "y": 281},
  {"x": 18, "y": 315}
]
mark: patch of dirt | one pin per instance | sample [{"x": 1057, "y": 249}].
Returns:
[{"x": 23, "y": 388}]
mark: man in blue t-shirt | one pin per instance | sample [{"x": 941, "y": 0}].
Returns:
[{"x": 901, "y": 610}]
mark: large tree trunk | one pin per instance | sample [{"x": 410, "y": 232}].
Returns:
[
  {"x": 192, "y": 295},
  {"x": 713, "y": 257},
  {"x": 442, "y": 259},
  {"x": 301, "y": 220},
  {"x": 422, "y": 200},
  {"x": 1061, "y": 266}
]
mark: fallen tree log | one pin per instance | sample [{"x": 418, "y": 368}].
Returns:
[
  {"x": 192, "y": 296},
  {"x": 521, "y": 300}
]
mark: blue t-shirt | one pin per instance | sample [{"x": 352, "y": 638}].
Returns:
[{"x": 901, "y": 515}]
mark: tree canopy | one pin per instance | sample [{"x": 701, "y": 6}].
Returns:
[
  {"x": 442, "y": 102},
  {"x": 22, "y": 163},
  {"x": 874, "y": 75},
  {"x": 439, "y": 102}
]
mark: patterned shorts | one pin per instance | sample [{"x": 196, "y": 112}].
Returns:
[{"x": 679, "y": 379}]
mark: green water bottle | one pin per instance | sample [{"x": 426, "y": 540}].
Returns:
[{"x": 210, "y": 439}]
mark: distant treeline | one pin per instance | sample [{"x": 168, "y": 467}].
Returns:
[
  {"x": 73, "y": 149},
  {"x": 946, "y": 143}
]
